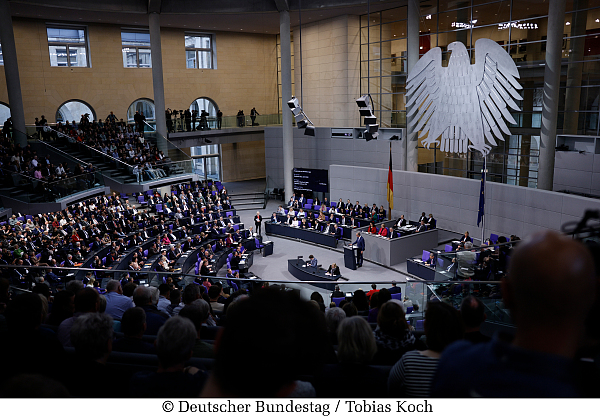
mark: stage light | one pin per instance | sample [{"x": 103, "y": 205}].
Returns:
[
  {"x": 302, "y": 124},
  {"x": 309, "y": 131},
  {"x": 371, "y": 119},
  {"x": 364, "y": 101},
  {"x": 293, "y": 103}
]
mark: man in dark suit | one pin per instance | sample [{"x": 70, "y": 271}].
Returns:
[
  {"x": 394, "y": 288},
  {"x": 422, "y": 227},
  {"x": 360, "y": 243},
  {"x": 337, "y": 231},
  {"x": 431, "y": 222},
  {"x": 401, "y": 222}
]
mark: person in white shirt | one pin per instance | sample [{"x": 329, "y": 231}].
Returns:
[{"x": 301, "y": 213}]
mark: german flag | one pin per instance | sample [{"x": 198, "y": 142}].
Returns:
[{"x": 390, "y": 186}]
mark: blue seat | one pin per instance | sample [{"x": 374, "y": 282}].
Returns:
[
  {"x": 259, "y": 246},
  {"x": 494, "y": 238},
  {"x": 145, "y": 253},
  {"x": 307, "y": 206},
  {"x": 333, "y": 204},
  {"x": 397, "y": 296},
  {"x": 409, "y": 309},
  {"x": 447, "y": 248},
  {"x": 309, "y": 202},
  {"x": 337, "y": 301},
  {"x": 425, "y": 255}
]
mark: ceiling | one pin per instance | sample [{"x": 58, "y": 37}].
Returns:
[{"x": 250, "y": 16}]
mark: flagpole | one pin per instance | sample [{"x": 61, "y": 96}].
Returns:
[
  {"x": 389, "y": 207},
  {"x": 484, "y": 186}
]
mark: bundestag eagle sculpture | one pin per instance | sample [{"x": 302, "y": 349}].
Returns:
[{"x": 463, "y": 103}]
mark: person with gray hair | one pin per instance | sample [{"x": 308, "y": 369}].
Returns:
[
  {"x": 116, "y": 302},
  {"x": 356, "y": 342},
  {"x": 142, "y": 297},
  {"x": 174, "y": 346},
  {"x": 466, "y": 261},
  {"x": 198, "y": 312},
  {"x": 91, "y": 335},
  {"x": 333, "y": 317},
  {"x": 74, "y": 286}
]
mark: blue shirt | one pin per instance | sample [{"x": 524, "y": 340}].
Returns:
[{"x": 117, "y": 304}]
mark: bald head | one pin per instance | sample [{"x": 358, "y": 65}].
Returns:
[{"x": 544, "y": 269}]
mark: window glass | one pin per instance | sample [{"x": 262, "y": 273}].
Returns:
[
  {"x": 199, "y": 51},
  {"x": 136, "y": 49},
  {"x": 73, "y": 110},
  {"x": 67, "y": 46}
]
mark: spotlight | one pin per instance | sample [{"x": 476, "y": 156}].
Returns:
[
  {"x": 296, "y": 111},
  {"x": 309, "y": 131},
  {"x": 299, "y": 117},
  {"x": 371, "y": 119},
  {"x": 395, "y": 137},
  {"x": 302, "y": 124},
  {"x": 372, "y": 128},
  {"x": 365, "y": 111},
  {"x": 370, "y": 136},
  {"x": 364, "y": 101},
  {"x": 293, "y": 103}
]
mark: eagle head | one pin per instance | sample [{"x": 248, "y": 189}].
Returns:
[{"x": 459, "y": 55}]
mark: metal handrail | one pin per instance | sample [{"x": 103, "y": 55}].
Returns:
[
  {"x": 57, "y": 150},
  {"x": 66, "y": 136}
]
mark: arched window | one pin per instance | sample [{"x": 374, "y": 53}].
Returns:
[
  {"x": 73, "y": 110},
  {"x": 143, "y": 105},
  {"x": 4, "y": 113},
  {"x": 206, "y": 104}
]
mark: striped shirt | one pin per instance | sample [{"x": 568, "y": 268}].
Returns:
[{"x": 412, "y": 375}]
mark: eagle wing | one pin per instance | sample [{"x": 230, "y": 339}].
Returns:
[
  {"x": 422, "y": 92},
  {"x": 497, "y": 87}
]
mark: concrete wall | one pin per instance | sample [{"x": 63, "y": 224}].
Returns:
[
  {"x": 454, "y": 202},
  {"x": 330, "y": 70},
  {"x": 246, "y": 74},
  {"x": 321, "y": 151}
]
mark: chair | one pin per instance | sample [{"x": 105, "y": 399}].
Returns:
[
  {"x": 397, "y": 296},
  {"x": 228, "y": 213},
  {"x": 333, "y": 204},
  {"x": 141, "y": 200},
  {"x": 170, "y": 226},
  {"x": 309, "y": 202},
  {"x": 425, "y": 255},
  {"x": 259, "y": 246},
  {"x": 28, "y": 217},
  {"x": 420, "y": 325},
  {"x": 197, "y": 268},
  {"x": 159, "y": 208},
  {"x": 214, "y": 247},
  {"x": 124, "y": 196},
  {"x": 104, "y": 261},
  {"x": 337, "y": 301},
  {"x": 409, "y": 309},
  {"x": 494, "y": 238},
  {"x": 145, "y": 253},
  {"x": 233, "y": 285},
  {"x": 236, "y": 227},
  {"x": 448, "y": 248},
  {"x": 307, "y": 206},
  {"x": 150, "y": 192}
]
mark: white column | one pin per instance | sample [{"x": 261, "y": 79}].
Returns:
[
  {"x": 286, "y": 95},
  {"x": 157, "y": 74},
  {"x": 556, "y": 20},
  {"x": 412, "y": 55},
  {"x": 11, "y": 71}
]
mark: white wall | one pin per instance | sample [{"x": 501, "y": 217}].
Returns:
[{"x": 454, "y": 202}]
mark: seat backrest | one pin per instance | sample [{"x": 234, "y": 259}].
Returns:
[
  {"x": 307, "y": 206},
  {"x": 397, "y": 296},
  {"x": 337, "y": 301},
  {"x": 447, "y": 248},
  {"x": 309, "y": 201},
  {"x": 425, "y": 255},
  {"x": 409, "y": 309},
  {"x": 145, "y": 253},
  {"x": 494, "y": 238},
  {"x": 333, "y": 204}
]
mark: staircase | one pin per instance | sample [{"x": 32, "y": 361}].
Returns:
[
  {"x": 248, "y": 201},
  {"x": 104, "y": 164}
]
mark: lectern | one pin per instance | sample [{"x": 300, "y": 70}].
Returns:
[{"x": 350, "y": 256}]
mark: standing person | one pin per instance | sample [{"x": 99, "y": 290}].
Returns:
[
  {"x": 360, "y": 243},
  {"x": 253, "y": 114},
  {"x": 219, "y": 119},
  {"x": 168, "y": 114},
  {"x": 240, "y": 118},
  {"x": 187, "y": 116},
  {"x": 258, "y": 222}
]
